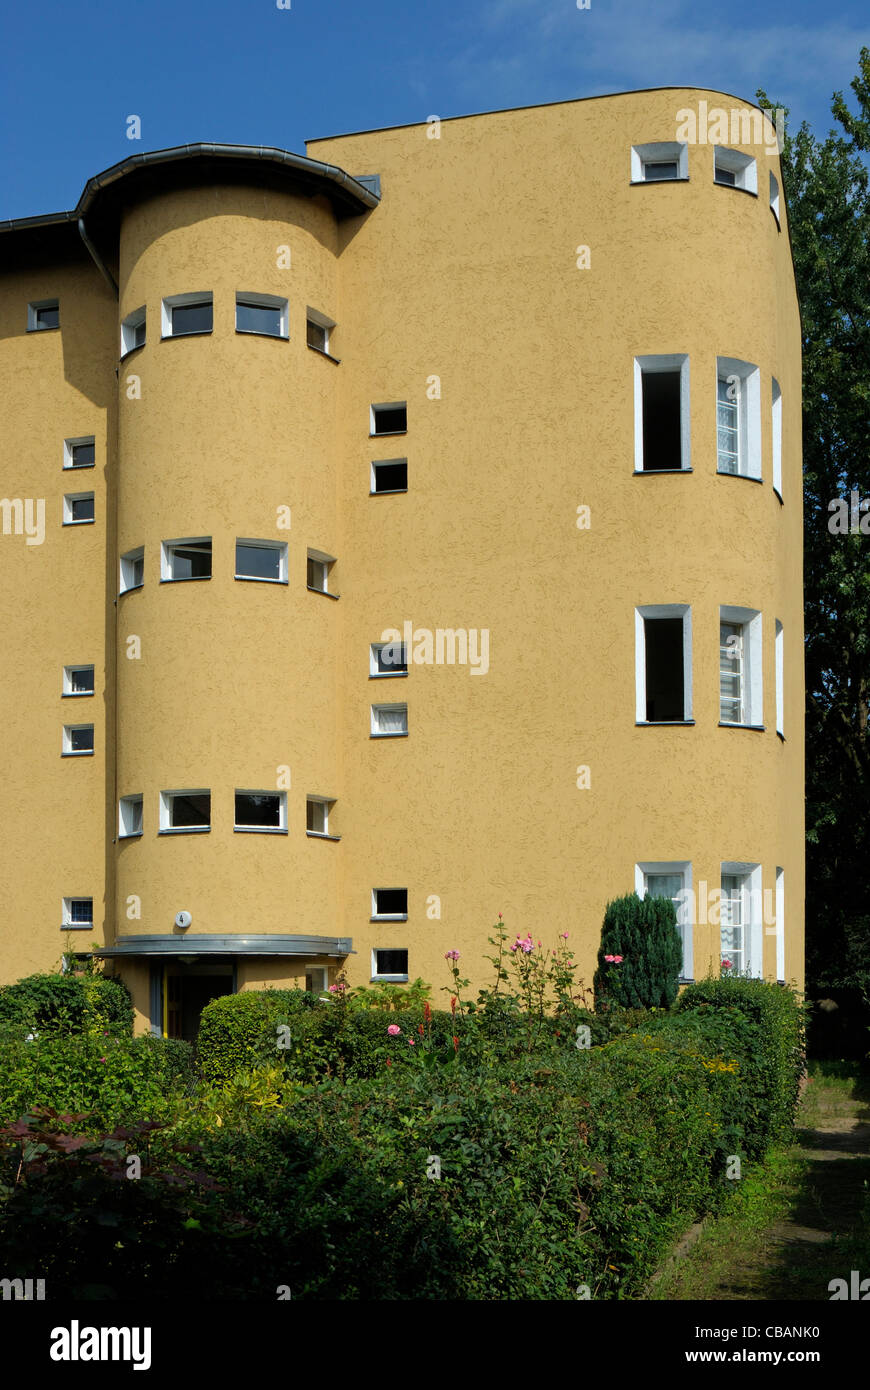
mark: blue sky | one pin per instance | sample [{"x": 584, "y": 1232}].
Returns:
[{"x": 246, "y": 72}]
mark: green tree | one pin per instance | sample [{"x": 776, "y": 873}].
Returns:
[{"x": 642, "y": 934}]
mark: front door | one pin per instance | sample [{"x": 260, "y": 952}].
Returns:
[{"x": 187, "y": 994}]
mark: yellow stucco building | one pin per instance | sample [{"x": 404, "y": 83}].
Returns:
[{"x": 377, "y": 554}]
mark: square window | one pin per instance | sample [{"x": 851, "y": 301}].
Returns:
[
  {"x": 318, "y": 329},
  {"x": 79, "y": 453},
  {"x": 317, "y": 979},
  {"x": 735, "y": 169},
  {"x": 133, "y": 569},
  {"x": 662, "y": 160},
  {"x": 390, "y": 904},
  {"x": 740, "y": 690},
  {"x": 129, "y": 816},
  {"x": 390, "y": 475},
  {"x": 389, "y": 964},
  {"x": 318, "y": 569},
  {"x": 42, "y": 314},
  {"x": 77, "y": 739},
  {"x": 672, "y": 880},
  {"x": 738, "y": 418},
  {"x": 261, "y": 811},
  {"x": 317, "y": 809},
  {"x": 661, "y": 413},
  {"x": 183, "y": 314},
  {"x": 389, "y": 721},
  {"x": 265, "y": 314},
  {"x": 390, "y": 418},
  {"x": 133, "y": 331},
  {"x": 78, "y": 913},
  {"x": 185, "y": 810},
  {"x": 189, "y": 559},
  {"x": 265, "y": 560},
  {"x": 663, "y": 664},
  {"x": 78, "y": 680},
  {"x": 78, "y": 507},
  {"x": 388, "y": 659}
]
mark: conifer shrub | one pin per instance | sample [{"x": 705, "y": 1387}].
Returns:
[{"x": 640, "y": 956}]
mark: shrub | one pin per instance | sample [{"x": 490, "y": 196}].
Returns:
[
  {"x": 67, "y": 1003},
  {"x": 643, "y": 934},
  {"x": 240, "y": 1031}
]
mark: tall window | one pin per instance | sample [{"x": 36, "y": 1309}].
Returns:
[
  {"x": 738, "y": 418},
  {"x": 661, "y": 413},
  {"x": 663, "y": 664},
  {"x": 741, "y": 919},
  {"x": 663, "y": 879},
  {"x": 780, "y": 678},
  {"x": 776, "y": 437},
  {"x": 740, "y": 690}
]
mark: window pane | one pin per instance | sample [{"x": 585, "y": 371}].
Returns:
[
  {"x": 665, "y": 169},
  {"x": 391, "y": 419},
  {"x": 258, "y": 561},
  {"x": 191, "y": 318},
  {"x": 662, "y": 446},
  {"x": 391, "y": 901},
  {"x": 139, "y": 334},
  {"x": 730, "y": 673},
  {"x": 191, "y": 561},
  {"x": 81, "y": 740},
  {"x": 391, "y": 477},
  {"x": 665, "y": 682},
  {"x": 725, "y": 176},
  {"x": 317, "y": 817},
  {"x": 391, "y": 657},
  {"x": 137, "y": 570},
  {"x": 82, "y": 509},
  {"x": 392, "y": 721},
  {"x": 48, "y": 318},
  {"x": 82, "y": 454},
  {"x": 258, "y": 318},
  {"x": 190, "y": 809},
  {"x": 258, "y": 809},
  {"x": 316, "y": 334},
  {"x": 317, "y": 574},
  {"x": 391, "y": 962},
  {"x": 81, "y": 910},
  {"x": 727, "y": 427},
  {"x": 82, "y": 682}
]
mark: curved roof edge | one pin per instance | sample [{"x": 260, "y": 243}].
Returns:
[
  {"x": 265, "y": 944},
  {"x": 347, "y": 193}
]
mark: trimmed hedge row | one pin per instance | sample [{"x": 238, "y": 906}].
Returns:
[{"x": 66, "y": 1003}]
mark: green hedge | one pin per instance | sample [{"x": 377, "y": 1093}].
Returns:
[{"x": 66, "y": 1003}]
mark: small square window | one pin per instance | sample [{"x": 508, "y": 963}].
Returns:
[
  {"x": 318, "y": 569},
  {"x": 42, "y": 314},
  {"x": 265, "y": 314},
  {"x": 189, "y": 559},
  {"x": 133, "y": 569},
  {"x": 79, "y": 453},
  {"x": 266, "y": 560},
  {"x": 129, "y": 816},
  {"x": 388, "y": 659},
  {"x": 78, "y": 507},
  {"x": 78, "y": 739},
  {"x": 389, "y": 965},
  {"x": 389, "y": 721},
  {"x": 735, "y": 169},
  {"x": 390, "y": 904},
  {"x": 261, "y": 811},
  {"x": 658, "y": 162},
  {"x": 78, "y": 913},
  {"x": 185, "y": 810},
  {"x": 317, "y": 809},
  {"x": 390, "y": 475},
  {"x": 78, "y": 680},
  {"x": 390, "y": 418},
  {"x": 318, "y": 330},
  {"x": 133, "y": 331},
  {"x": 184, "y": 314}
]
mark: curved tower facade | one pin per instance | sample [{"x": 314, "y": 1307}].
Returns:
[{"x": 423, "y": 578}]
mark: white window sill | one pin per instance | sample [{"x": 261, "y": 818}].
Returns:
[
  {"x": 385, "y": 675},
  {"x": 729, "y": 724},
  {"x": 325, "y": 592},
  {"x": 390, "y": 917},
  {"x": 678, "y": 178},
  {"x": 259, "y": 830},
  {"x": 388, "y": 491},
  {"x": 89, "y": 522},
  {"x": 132, "y": 589},
  {"x": 389, "y": 979},
  {"x": 259, "y": 579},
  {"x": 257, "y": 333},
  {"x": 735, "y": 188},
  {"x": 387, "y": 434},
  {"x": 196, "y": 333},
  {"x": 77, "y": 467},
  {"x": 398, "y": 735},
  {"x": 133, "y": 835},
  {"x": 189, "y": 579},
  {"x": 78, "y": 753},
  {"x": 654, "y": 472},
  {"x": 77, "y": 926},
  {"x": 748, "y": 477},
  {"x": 328, "y": 355},
  {"x": 321, "y": 835},
  {"x": 663, "y": 723},
  {"x": 77, "y": 694},
  {"x": 185, "y": 830}
]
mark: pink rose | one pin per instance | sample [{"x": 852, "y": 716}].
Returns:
[{"x": 394, "y": 1030}]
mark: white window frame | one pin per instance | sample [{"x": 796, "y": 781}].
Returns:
[
  {"x": 326, "y": 803},
  {"x": 67, "y": 690},
  {"x": 780, "y": 924},
  {"x": 388, "y": 916},
  {"x": 648, "y": 364},
  {"x": 748, "y": 402},
  {"x": 279, "y": 829},
  {"x": 33, "y": 324},
  {"x": 774, "y": 200},
  {"x": 166, "y": 798},
  {"x": 660, "y": 152},
  {"x": 167, "y": 551},
  {"x": 776, "y": 436},
  {"x": 377, "y": 732},
  {"x": 127, "y": 561},
  {"x": 661, "y": 610},
  {"x": 388, "y": 979},
  {"x": 387, "y": 491},
  {"x": 742, "y": 166},
  {"x": 685, "y": 909},
  {"x": 374, "y": 670},
  {"x": 178, "y": 301},
  {"x": 69, "y": 499},
  {"x": 319, "y": 557},
  {"x": 127, "y": 808},
  {"x": 386, "y": 405},
  {"x": 779, "y": 667},
  {"x": 752, "y": 688},
  {"x": 129, "y": 325},
  {"x": 264, "y": 301},
  {"x": 67, "y": 749},
  {"x": 69, "y": 447},
  {"x": 321, "y": 321},
  {"x": 279, "y": 546},
  {"x": 751, "y": 901},
  {"x": 68, "y": 923}
]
